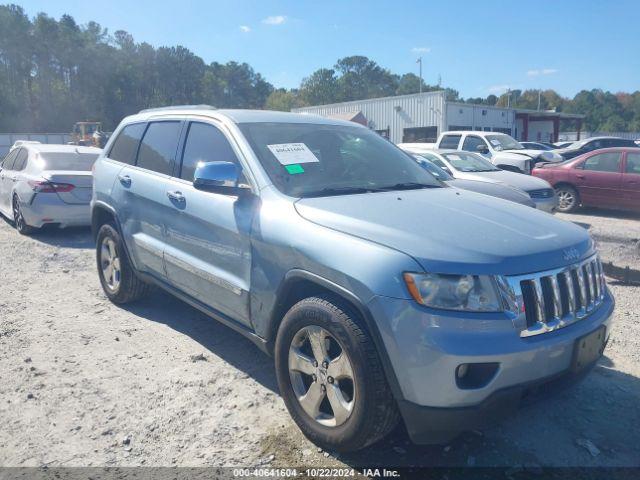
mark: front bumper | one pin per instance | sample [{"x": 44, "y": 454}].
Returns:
[
  {"x": 49, "y": 209},
  {"x": 425, "y": 347}
]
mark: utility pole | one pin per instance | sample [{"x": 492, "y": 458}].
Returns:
[
  {"x": 420, "y": 62},
  {"x": 508, "y": 98},
  {"x": 539, "y": 98}
]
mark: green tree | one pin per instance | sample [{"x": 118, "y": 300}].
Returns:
[
  {"x": 283, "y": 100},
  {"x": 321, "y": 87}
]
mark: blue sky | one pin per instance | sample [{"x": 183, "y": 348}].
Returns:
[{"x": 477, "y": 47}]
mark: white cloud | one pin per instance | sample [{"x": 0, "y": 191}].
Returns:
[
  {"x": 275, "y": 20},
  {"x": 421, "y": 49},
  {"x": 245, "y": 28},
  {"x": 498, "y": 88},
  {"x": 544, "y": 71}
]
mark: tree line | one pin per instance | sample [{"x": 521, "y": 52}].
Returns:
[{"x": 54, "y": 73}]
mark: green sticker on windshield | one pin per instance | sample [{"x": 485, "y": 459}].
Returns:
[{"x": 293, "y": 169}]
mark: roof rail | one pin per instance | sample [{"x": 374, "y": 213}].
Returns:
[{"x": 179, "y": 107}]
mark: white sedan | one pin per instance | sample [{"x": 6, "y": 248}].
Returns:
[{"x": 47, "y": 184}]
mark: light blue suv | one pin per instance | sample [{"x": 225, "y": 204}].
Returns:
[{"x": 381, "y": 292}]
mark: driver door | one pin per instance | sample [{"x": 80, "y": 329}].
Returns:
[
  {"x": 208, "y": 244},
  {"x": 471, "y": 144}
]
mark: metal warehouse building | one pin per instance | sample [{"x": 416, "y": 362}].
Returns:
[{"x": 421, "y": 117}]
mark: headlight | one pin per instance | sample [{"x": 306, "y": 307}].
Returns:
[{"x": 473, "y": 293}]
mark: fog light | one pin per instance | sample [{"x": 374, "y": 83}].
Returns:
[{"x": 475, "y": 375}]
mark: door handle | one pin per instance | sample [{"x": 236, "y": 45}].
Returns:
[
  {"x": 125, "y": 180},
  {"x": 176, "y": 196},
  {"x": 580, "y": 176}
]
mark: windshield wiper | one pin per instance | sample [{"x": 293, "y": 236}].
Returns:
[
  {"x": 409, "y": 186},
  {"x": 329, "y": 191}
]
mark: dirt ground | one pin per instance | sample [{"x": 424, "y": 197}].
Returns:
[{"x": 86, "y": 383}]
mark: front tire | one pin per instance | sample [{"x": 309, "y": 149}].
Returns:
[
  {"x": 119, "y": 280},
  {"x": 331, "y": 377},
  {"x": 18, "y": 219},
  {"x": 568, "y": 199}
]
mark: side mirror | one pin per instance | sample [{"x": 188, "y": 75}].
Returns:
[
  {"x": 482, "y": 148},
  {"x": 218, "y": 177}
]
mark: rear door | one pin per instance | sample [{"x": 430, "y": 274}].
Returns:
[
  {"x": 208, "y": 251},
  {"x": 599, "y": 179},
  {"x": 631, "y": 181},
  {"x": 141, "y": 192}
]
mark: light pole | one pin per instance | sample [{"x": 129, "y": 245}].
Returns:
[{"x": 420, "y": 71}]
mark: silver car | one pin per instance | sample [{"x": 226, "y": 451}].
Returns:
[
  {"x": 47, "y": 184},
  {"x": 486, "y": 187},
  {"x": 471, "y": 166}
]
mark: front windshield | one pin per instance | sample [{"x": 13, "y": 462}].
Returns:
[
  {"x": 306, "y": 159},
  {"x": 503, "y": 142},
  {"x": 469, "y": 162}
]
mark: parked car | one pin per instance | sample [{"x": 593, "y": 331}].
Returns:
[
  {"x": 20, "y": 143},
  {"x": 594, "y": 143},
  {"x": 563, "y": 144},
  {"x": 46, "y": 185},
  {"x": 536, "y": 146},
  {"x": 500, "y": 149},
  {"x": 381, "y": 292},
  {"x": 607, "y": 178},
  {"x": 487, "y": 187},
  {"x": 471, "y": 166}
]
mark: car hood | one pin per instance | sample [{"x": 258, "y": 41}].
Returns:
[
  {"x": 495, "y": 189},
  {"x": 517, "y": 180},
  {"x": 447, "y": 230}
]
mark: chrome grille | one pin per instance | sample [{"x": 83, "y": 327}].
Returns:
[{"x": 554, "y": 299}]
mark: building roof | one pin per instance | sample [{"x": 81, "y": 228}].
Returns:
[
  {"x": 370, "y": 100},
  {"x": 547, "y": 113}
]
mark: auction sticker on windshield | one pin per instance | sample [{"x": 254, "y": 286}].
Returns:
[{"x": 292, "y": 153}]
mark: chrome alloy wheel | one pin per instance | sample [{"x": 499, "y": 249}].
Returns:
[
  {"x": 110, "y": 264},
  {"x": 18, "y": 219},
  {"x": 321, "y": 376},
  {"x": 566, "y": 199}
]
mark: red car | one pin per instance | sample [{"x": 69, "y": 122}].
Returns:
[{"x": 607, "y": 178}]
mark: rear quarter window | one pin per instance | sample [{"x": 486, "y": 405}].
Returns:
[
  {"x": 450, "y": 142},
  {"x": 125, "y": 147}
]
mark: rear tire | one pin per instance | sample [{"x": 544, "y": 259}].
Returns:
[
  {"x": 18, "y": 219},
  {"x": 354, "y": 407},
  {"x": 568, "y": 198},
  {"x": 119, "y": 280}
]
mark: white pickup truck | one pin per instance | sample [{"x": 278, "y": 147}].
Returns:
[{"x": 502, "y": 150}]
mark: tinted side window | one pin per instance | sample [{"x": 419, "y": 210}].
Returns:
[
  {"x": 603, "y": 162},
  {"x": 205, "y": 143},
  {"x": 450, "y": 142},
  {"x": 7, "y": 164},
  {"x": 21, "y": 160},
  {"x": 158, "y": 147},
  {"x": 633, "y": 163},
  {"x": 126, "y": 145},
  {"x": 471, "y": 143}
]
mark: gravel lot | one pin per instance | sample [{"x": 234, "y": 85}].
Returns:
[{"x": 86, "y": 383}]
